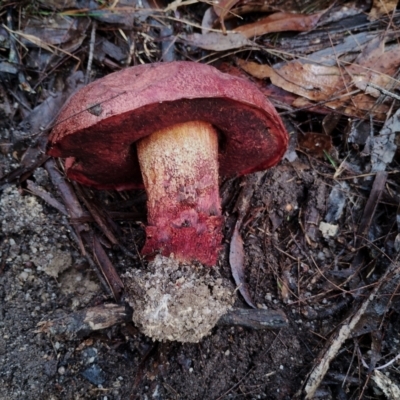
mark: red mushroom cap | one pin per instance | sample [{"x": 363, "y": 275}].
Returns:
[{"x": 98, "y": 125}]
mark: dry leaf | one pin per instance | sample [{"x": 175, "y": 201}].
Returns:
[
  {"x": 381, "y": 8},
  {"x": 172, "y": 6},
  {"x": 59, "y": 29},
  {"x": 384, "y": 145},
  {"x": 314, "y": 82},
  {"x": 40, "y": 43},
  {"x": 378, "y": 67},
  {"x": 362, "y": 104},
  {"x": 254, "y": 69},
  {"x": 216, "y": 41},
  {"x": 236, "y": 260},
  {"x": 373, "y": 69},
  {"x": 59, "y": 5},
  {"x": 315, "y": 144},
  {"x": 207, "y": 22},
  {"x": 280, "y": 22},
  {"x": 222, "y": 7}
]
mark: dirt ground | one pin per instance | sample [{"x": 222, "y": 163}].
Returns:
[{"x": 320, "y": 232}]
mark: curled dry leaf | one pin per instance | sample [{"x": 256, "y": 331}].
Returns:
[
  {"x": 280, "y": 22},
  {"x": 277, "y": 22},
  {"x": 236, "y": 260}
]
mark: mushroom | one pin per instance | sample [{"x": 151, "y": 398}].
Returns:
[{"x": 172, "y": 128}]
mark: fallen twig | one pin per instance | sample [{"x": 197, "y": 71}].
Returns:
[
  {"x": 347, "y": 327},
  {"x": 366, "y": 219},
  {"x": 83, "y": 322},
  {"x": 46, "y": 196},
  {"x": 84, "y": 234},
  {"x": 342, "y": 334}
]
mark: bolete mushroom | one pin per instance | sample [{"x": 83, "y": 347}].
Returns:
[{"x": 172, "y": 128}]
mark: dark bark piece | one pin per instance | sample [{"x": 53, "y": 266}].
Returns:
[{"x": 255, "y": 318}]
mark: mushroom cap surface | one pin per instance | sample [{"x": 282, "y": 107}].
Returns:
[{"x": 98, "y": 126}]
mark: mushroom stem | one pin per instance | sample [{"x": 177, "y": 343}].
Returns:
[{"x": 179, "y": 166}]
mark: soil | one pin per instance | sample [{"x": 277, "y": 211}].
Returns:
[
  {"x": 301, "y": 231},
  {"x": 120, "y": 362}
]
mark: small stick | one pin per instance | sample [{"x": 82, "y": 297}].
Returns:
[
  {"x": 254, "y": 318},
  {"x": 83, "y": 322},
  {"x": 345, "y": 329},
  {"x": 34, "y": 157},
  {"x": 342, "y": 333},
  {"x": 369, "y": 211},
  {"x": 373, "y": 200},
  {"x": 46, "y": 196},
  {"x": 91, "y": 51},
  {"x": 93, "y": 210},
  {"x": 107, "y": 268},
  {"x": 85, "y": 235}
]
